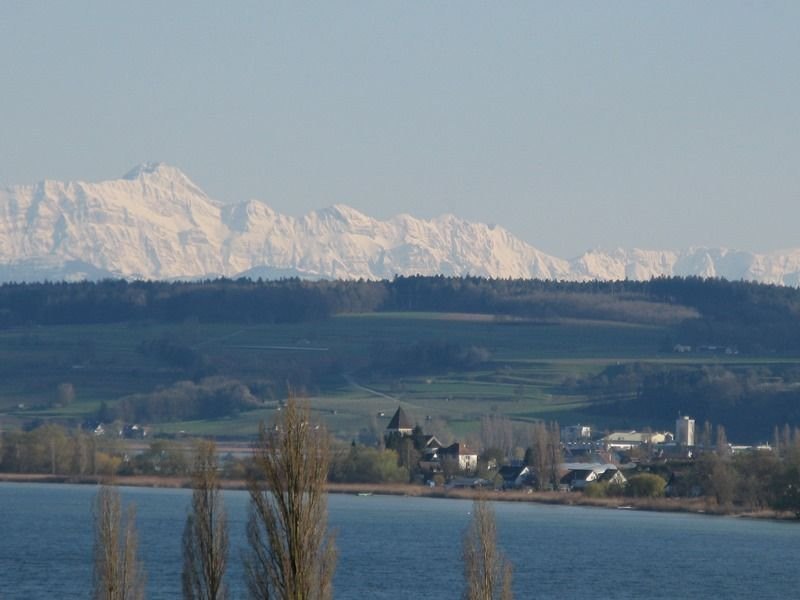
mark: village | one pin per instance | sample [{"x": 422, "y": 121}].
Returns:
[
  {"x": 684, "y": 462},
  {"x": 689, "y": 463}
]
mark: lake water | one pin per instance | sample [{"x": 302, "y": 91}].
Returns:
[{"x": 398, "y": 547}]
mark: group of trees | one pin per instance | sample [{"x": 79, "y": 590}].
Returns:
[
  {"x": 753, "y": 317},
  {"x": 118, "y": 572},
  {"x": 368, "y": 464},
  {"x": 497, "y": 433},
  {"x": 291, "y": 553},
  {"x": 209, "y": 398},
  {"x": 241, "y": 300},
  {"x": 545, "y": 455},
  {"x": 56, "y": 450},
  {"x": 749, "y": 481},
  {"x": 205, "y": 535},
  {"x": 749, "y": 399},
  {"x": 294, "y": 300}
]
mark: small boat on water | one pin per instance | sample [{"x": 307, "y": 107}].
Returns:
[{"x": 364, "y": 494}]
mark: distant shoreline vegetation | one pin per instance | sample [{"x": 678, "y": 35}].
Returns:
[{"x": 702, "y": 313}]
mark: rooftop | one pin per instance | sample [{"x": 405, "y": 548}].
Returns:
[{"x": 399, "y": 421}]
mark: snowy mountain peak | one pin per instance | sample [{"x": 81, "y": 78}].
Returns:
[
  {"x": 163, "y": 175},
  {"x": 341, "y": 212},
  {"x": 155, "y": 169},
  {"x": 155, "y": 223}
]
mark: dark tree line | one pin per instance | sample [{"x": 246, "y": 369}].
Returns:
[
  {"x": 753, "y": 480},
  {"x": 750, "y": 400},
  {"x": 210, "y": 398},
  {"x": 751, "y": 317},
  {"x": 242, "y": 300}
]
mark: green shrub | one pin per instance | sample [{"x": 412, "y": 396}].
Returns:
[
  {"x": 615, "y": 489},
  {"x": 368, "y": 465},
  {"x": 645, "y": 485},
  {"x": 596, "y": 489}
]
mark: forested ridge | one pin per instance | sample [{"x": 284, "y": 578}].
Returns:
[
  {"x": 750, "y": 399},
  {"x": 752, "y": 317}
]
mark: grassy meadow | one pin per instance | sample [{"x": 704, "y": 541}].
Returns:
[{"x": 529, "y": 363}]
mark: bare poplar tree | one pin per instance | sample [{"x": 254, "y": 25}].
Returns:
[
  {"x": 554, "y": 453},
  {"x": 118, "y": 574},
  {"x": 546, "y": 453},
  {"x": 291, "y": 554},
  {"x": 722, "y": 442},
  {"x": 705, "y": 437},
  {"x": 539, "y": 453},
  {"x": 496, "y": 432},
  {"x": 486, "y": 571},
  {"x": 205, "y": 536}
]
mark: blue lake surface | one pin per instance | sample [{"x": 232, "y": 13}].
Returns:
[{"x": 403, "y": 547}]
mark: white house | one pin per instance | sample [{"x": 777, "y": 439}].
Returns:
[
  {"x": 515, "y": 477},
  {"x": 467, "y": 458},
  {"x": 578, "y": 475},
  {"x": 625, "y": 440},
  {"x": 575, "y": 433}
]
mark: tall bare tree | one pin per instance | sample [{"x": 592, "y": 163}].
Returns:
[
  {"x": 118, "y": 574},
  {"x": 496, "y": 432},
  {"x": 538, "y": 454},
  {"x": 705, "y": 436},
  {"x": 487, "y": 572},
  {"x": 205, "y": 536},
  {"x": 554, "y": 453},
  {"x": 722, "y": 447},
  {"x": 291, "y": 554},
  {"x": 546, "y": 453}
]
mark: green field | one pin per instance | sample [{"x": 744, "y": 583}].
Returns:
[{"x": 523, "y": 379}]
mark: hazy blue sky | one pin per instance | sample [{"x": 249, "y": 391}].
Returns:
[{"x": 573, "y": 125}]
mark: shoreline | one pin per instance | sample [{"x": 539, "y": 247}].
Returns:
[{"x": 673, "y": 505}]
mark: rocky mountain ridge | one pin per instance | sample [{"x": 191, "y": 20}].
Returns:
[{"x": 155, "y": 223}]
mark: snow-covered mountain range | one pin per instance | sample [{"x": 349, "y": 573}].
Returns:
[{"x": 154, "y": 223}]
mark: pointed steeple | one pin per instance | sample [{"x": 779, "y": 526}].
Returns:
[{"x": 400, "y": 423}]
